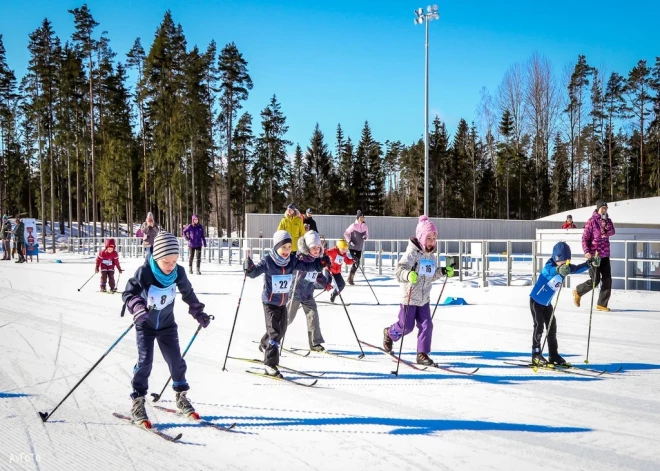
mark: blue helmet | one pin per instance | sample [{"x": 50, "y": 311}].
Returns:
[{"x": 561, "y": 252}]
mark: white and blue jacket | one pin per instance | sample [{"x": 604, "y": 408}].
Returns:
[{"x": 549, "y": 281}]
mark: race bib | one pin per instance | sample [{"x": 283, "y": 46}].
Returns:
[
  {"x": 161, "y": 297},
  {"x": 311, "y": 276},
  {"x": 281, "y": 283},
  {"x": 107, "y": 262},
  {"x": 339, "y": 260},
  {"x": 426, "y": 267},
  {"x": 555, "y": 282}
]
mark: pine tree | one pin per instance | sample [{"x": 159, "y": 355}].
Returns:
[
  {"x": 439, "y": 158},
  {"x": 85, "y": 24},
  {"x": 270, "y": 173},
  {"x": 235, "y": 85},
  {"x": 296, "y": 178},
  {"x": 596, "y": 150},
  {"x": 317, "y": 173},
  {"x": 7, "y": 120},
  {"x": 376, "y": 179},
  {"x": 241, "y": 167},
  {"x": 614, "y": 107},
  {"x": 391, "y": 169},
  {"x": 638, "y": 88},
  {"x": 344, "y": 194},
  {"x": 360, "y": 176},
  {"x": 505, "y": 156}
]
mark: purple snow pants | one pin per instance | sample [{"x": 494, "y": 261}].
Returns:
[{"x": 421, "y": 315}]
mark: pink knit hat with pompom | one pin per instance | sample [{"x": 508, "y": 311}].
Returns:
[{"x": 424, "y": 227}]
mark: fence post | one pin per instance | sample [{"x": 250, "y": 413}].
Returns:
[
  {"x": 625, "y": 269},
  {"x": 484, "y": 264},
  {"x": 508, "y": 263},
  {"x": 380, "y": 258},
  {"x": 460, "y": 261},
  {"x": 534, "y": 256}
]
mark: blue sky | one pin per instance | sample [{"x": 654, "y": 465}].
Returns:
[{"x": 346, "y": 62}]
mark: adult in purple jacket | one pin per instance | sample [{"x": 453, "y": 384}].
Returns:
[
  {"x": 596, "y": 245},
  {"x": 194, "y": 234}
]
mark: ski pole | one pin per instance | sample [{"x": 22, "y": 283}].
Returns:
[
  {"x": 157, "y": 396},
  {"x": 439, "y": 297},
  {"x": 351, "y": 322},
  {"x": 591, "y": 311},
  {"x": 235, "y": 317},
  {"x": 372, "y": 290},
  {"x": 88, "y": 280},
  {"x": 45, "y": 416},
  {"x": 403, "y": 331}
]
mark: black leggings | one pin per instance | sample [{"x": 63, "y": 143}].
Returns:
[
  {"x": 602, "y": 274},
  {"x": 357, "y": 255},
  {"x": 191, "y": 254}
]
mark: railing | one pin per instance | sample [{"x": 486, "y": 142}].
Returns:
[{"x": 480, "y": 261}]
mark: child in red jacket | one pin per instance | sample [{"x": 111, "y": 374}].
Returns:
[
  {"x": 338, "y": 255},
  {"x": 109, "y": 259}
]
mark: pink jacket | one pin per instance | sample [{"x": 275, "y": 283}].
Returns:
[
  {"x": 596, "y": 235},
  {"x": 356, "y": 234}
]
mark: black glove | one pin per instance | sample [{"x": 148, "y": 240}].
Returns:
[
  {"x": 248, "y": 265},
  {"x": 204, "y": 320},
  {"x": 325, "y": 261}
]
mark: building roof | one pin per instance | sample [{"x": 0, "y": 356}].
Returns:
[{"x": 644, "y": 211}]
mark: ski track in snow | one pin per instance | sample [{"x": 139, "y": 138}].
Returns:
[{"x": 359, "y": 416}]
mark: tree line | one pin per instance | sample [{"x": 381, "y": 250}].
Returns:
[{"x": 80, "y": 141}]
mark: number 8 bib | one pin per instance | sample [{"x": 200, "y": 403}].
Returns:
[
  {"x": 281, "y": 283},
  {"x": 161, "y": 297}
]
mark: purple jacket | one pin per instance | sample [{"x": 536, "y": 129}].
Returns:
[
  {"x": 194, "y": 234},
  {"x": 596, "y": 235}
]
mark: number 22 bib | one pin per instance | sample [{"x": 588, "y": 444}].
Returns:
[{"x": 281, "y": 283}]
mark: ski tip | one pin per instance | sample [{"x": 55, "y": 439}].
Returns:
[
  {"x": 177, "y": 437},
  {"x": 146, "y": 424},
  {"x": 44, "y": 416},
  {"x": 194, "y": 415}
]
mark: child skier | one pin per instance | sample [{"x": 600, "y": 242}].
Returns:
[
  {"x": 278, "y": 267},
  {"x": 150, "y": 296},
  {"x": 540, "y": 299},
  {"x": 416, "y": 272},
  {"x": 194, "y": 234},
  {"x": 338, "y": 255},
  {"x": 108, "y": 259},
  {"x": 309, "y": 249}
]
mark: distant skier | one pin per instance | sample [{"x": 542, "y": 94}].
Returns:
[
  {"x": 106, "y": 261},
  {"x": 569, "y": 224},
  {"x": 356, "y": 234},
  {"x": 149, "y": 297},
  {"x": 149, "y": 231},
  {"x": 194, "y": 234},
  {"x": 309, "y": 249},
  {"x": 416, "y": 271},
  {"x": 338, "y": 256},
  {"x": 540, "y": 301},
  {"x": 5, "y": 235},
  {"x": 278, "y": 267}
]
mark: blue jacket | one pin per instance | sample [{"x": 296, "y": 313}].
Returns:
[
  {"x": 282, "y": 276},
  {"x": 144, "y": 285},
  {"x": 304, "y": 281},
  {"x": 549, "y": 281}
]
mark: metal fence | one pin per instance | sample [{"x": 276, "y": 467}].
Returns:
[{"x": 637, "y": 265}]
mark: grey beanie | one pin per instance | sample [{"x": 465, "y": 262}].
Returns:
[
  {"x": 280, "y": 238},
  {"x": 312, "y": 239},
  {"x": 165, "y": 244}
]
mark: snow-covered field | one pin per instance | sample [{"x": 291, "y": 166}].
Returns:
[{"x": 358, "y": 416}]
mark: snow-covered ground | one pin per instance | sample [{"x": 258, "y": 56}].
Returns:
[
  {"x": 358, "y": 416},
  {"x": 635, "y": 211}
]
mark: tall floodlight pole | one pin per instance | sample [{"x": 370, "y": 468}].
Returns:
[{"x": 421, "y": 17}]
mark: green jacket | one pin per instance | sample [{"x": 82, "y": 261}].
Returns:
[{"x": 19, "y": 232}]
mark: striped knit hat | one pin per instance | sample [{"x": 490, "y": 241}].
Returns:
[{"x": 165, "y": 244}]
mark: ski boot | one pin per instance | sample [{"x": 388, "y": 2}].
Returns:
[
  {"x": 576, "y": 298},
  {"x": 273, "y": 371},
  {"x": 539, "y": 360},
  {"x": 190, "y": 272},
  {"x": 333, "y": 296},
  {"x": 139, "y": 413},
  {"x": 350, "y": 279},
  {"x": 557, "y": 360},
  {"x": 184, "y": 406},
  {"x": 424, "y": 359},
  {"x": 388, "y": 343},
  {"x": 198, "y": 271},
  {"x": 103, "y": 290},
  {"x": 317, "y": 348}
]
